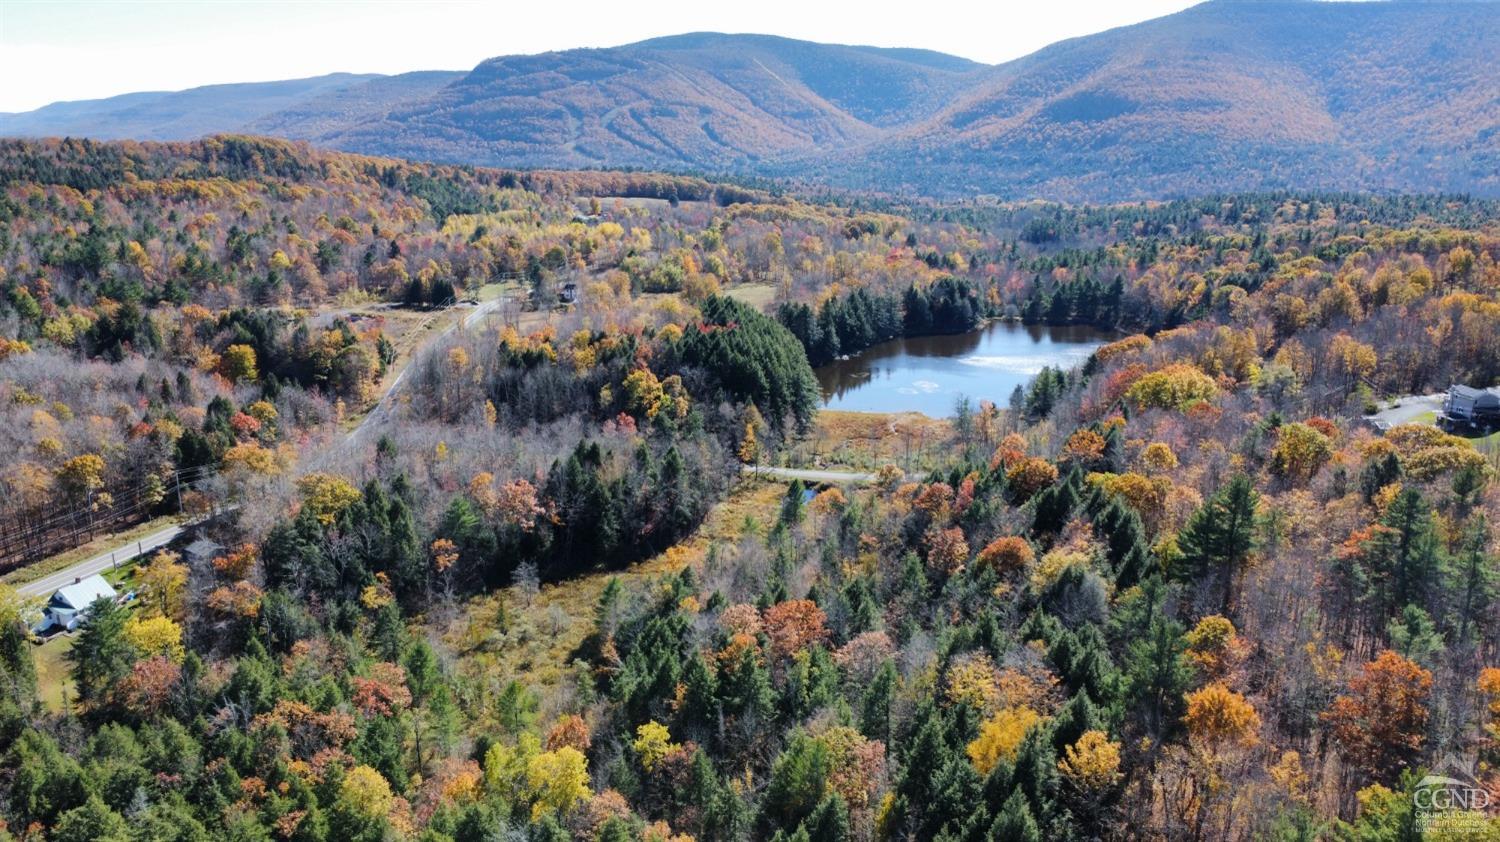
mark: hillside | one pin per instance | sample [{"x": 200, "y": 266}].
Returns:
[
  {"x": 328, "y": 113},
  {"x": 704, "y": 100},
  {"x": 173, "y": 115},
  {"x": 1225, "y": 96},
  {"x": 1183, "y": 590}
]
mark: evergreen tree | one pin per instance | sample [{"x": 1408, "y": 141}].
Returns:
[
  {"x": 93, "y": 821},
  {"x": 829, "y": 822},
  {"x": 875, "y": 706},
  {"x": 799, "y": 778},
  {"x": 1471, "y": 582},
  {"x": 1015, "y": 822},
  {"x": 101, "y": 655},
  {"x": 1157, "y": 674},
  {"x": 1220, "y": 535}
]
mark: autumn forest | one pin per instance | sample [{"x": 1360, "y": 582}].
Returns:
[{"x": 524, "y": 520}]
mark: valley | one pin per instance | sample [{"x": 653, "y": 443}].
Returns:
[{"x": 735, "y": 438}]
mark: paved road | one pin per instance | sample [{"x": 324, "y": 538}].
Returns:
[
  {"x": 1407, "y": 408},
  {"x": 482, "y": 309},
  {"x": 44, "y": 586},
  {"x": 807, "y": 475}
]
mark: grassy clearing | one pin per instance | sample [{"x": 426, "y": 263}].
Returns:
[
  {"x": 53, "y": 683},
  {"x": 96, "y": 547},
  {"x": 499, "y": 636},
  {"x": 866, "y": 440},
  {"x": 758, "y": 296},
  {"x": 495, "y": 290}
]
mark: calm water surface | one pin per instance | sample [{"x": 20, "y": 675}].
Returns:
[{"x": 927, "y": 374}]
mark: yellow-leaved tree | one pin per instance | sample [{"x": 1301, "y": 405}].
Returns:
[
  {"x": 325, "y": 495},
  {"x": 366, "y": 793},
  {"x": 1092, "y": 763},
  {"x": 238, "y": 364},
  {"x": 1217, "y": 716},
  {"x": 557, "y": 781},
  {"x": 155, "y": 636},
  {"x": 652, "y": 742},
  {"x": 163, "y": 586},
  {"x": 1000, "y": 737}
]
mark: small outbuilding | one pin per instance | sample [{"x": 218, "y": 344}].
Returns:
[{"x": 69, "y": 605}]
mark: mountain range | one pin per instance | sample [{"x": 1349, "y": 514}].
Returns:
[{"x": 1226, "y": 95}]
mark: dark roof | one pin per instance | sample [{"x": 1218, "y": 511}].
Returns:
[{"x": 1464, "y": 391}]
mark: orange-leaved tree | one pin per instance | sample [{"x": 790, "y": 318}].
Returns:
[{"x": 1381, "y": 722}]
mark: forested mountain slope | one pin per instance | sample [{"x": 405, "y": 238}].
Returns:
[
  {"x": 709, "y": 101},
  {"x": 1227, "y": 95}
]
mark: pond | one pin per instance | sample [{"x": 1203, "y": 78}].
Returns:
[{"x": 927, "y": 374}]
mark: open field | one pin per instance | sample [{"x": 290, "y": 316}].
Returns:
[
  {"x": 759, "y": 296},
  {"x": 864, "y": 441}
]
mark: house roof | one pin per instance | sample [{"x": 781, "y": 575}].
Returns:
[
  {"x": 1465, "y": 391},
  {"x": 79, "y": 594}
]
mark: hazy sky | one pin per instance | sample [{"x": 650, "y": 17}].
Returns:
[{"x": 54, "y": 50}]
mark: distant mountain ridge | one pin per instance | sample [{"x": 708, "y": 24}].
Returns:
[
  {"x": 1227, "y": 95},
  {"x": 173, "y": 115},
  {"x": 702, "y": 100}
]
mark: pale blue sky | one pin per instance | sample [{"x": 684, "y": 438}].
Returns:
[{"x": 54, "y": 50}]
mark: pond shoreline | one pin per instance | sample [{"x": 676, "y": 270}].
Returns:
[{"x": 927, "y": 374}]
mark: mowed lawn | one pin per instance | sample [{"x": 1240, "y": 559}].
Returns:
[
  {"x": 1488, "y": 445},
  {"x": 53, "y": 683}
]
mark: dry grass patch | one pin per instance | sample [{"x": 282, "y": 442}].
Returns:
[
  {"x": 504, "y": 636},
  {"x": 758, "y": 296},
  {"x": 866, "y": 440}
]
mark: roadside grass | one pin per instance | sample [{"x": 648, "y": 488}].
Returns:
[
  {"x": 500, "y": 637},
  {"x": 122, "y": 578},
  {"x": 98, "y": 546}
]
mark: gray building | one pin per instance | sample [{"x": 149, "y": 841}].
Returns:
[{"x": 1474, "y": 407}]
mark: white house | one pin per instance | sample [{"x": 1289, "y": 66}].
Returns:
[{"x": 70, "y": 604}]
